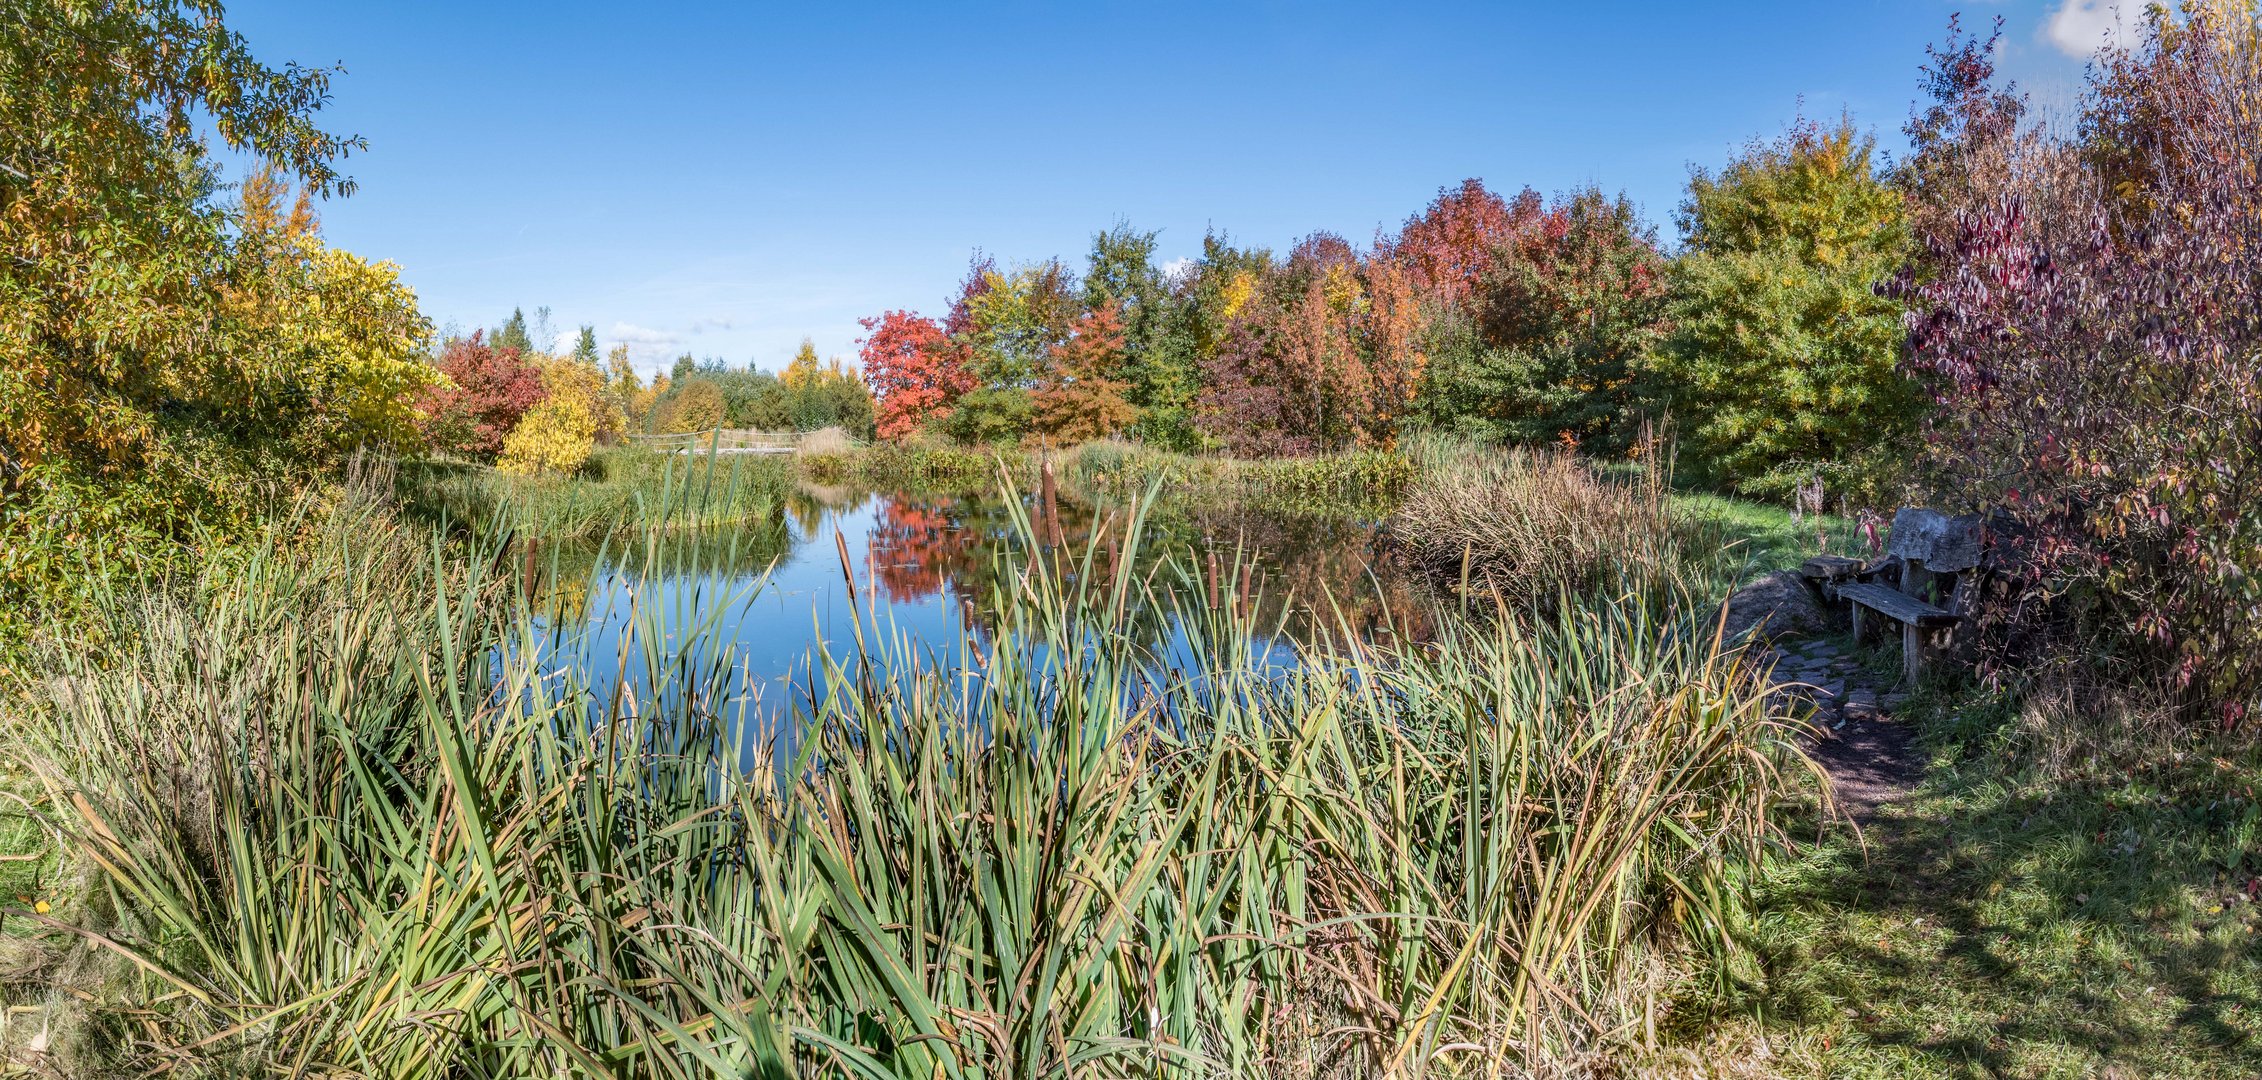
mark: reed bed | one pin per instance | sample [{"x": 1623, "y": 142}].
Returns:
[
  {"x": 1528, "y": 526},
  {"x": 355, "y": 810},
  {"x": 1364, "y": 484},
  {"x": 621, "y": 492}
]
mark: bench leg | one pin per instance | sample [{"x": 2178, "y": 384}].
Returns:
[
  {"x": 1912, "y": 652},
  {"x": 1858, "y": 627}
]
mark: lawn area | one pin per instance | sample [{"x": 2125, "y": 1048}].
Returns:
[
  {"x": 1765, "y": 534},
  {"x": 2003, "y": 923}
]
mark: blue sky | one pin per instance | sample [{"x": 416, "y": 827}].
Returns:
[{"x": 725, "y": 179}]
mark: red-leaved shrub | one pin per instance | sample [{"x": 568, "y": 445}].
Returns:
[{"x": 2088, "y": 314}]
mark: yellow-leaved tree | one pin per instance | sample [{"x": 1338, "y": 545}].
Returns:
[{"x": 558, "y": 435}]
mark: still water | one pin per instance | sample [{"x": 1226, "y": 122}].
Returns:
[{"x": 745, "y": 614}]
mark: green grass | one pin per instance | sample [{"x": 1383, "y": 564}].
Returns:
[
  {"x": 2009, "y": 921},
  {"x": 1762, "y": 536}
]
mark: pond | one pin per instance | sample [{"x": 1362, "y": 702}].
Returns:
[{"x": 745, "y": 613}]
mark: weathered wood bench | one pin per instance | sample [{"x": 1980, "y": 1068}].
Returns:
[
  {"x": 1917, "y": 618},
  {"x": 1825, "y": 573}
]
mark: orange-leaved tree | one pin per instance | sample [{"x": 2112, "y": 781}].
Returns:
[
  {"x": 1079, "y": 396},
  {"x": 915, "y": 371}
]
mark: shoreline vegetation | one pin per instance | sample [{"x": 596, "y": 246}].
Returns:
[
  {"x": 1295, "y": 872},
  {"x": 370, "y": 703}
]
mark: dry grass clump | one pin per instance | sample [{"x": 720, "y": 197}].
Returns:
[
  {"x": 1531, "y": 526},
  {"x": 827, "y": 440}
]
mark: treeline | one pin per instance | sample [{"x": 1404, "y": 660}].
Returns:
[
  {"x": 1516, "y": 318},
  {"x": 698, "y": 395},
  {"x": 500, "y": 398},
  {"x": 2060, "y": 325}
]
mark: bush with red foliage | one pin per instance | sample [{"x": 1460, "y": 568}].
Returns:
[
  {"x": 488, "y": 389},
  {"x": 914, "y": 369},
  {"x": 2088, "y": 316}
]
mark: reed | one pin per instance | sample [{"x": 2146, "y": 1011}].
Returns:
[
  {"x": 1363, "y": 484},
  {"x": 1530, "y": 526},
  {"x": 355, "y": 809},
  {"x": 621, "y": 492}
]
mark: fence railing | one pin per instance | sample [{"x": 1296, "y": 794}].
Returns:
[
  {"x": 746, "y": 439},
  {"x": 734, "y": 440}
]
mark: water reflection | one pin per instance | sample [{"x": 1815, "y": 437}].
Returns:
[{"x": 928, "y": 568}]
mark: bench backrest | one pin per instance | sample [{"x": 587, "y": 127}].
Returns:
[{"x": 1942, "y": 543}]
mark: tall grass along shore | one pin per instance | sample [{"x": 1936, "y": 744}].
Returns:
[{"x": 351, "y": 808}]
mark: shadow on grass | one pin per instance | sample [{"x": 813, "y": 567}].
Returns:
[{"x": 2005, "y": 927}]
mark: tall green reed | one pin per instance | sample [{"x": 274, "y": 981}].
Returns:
[{"x": 362, "y": 809}]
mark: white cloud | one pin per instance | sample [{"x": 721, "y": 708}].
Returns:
[
  {"x": 633, "y": 335},
  {"x": 1177, "y": 269},
  {"x": 2081, "y": 27},
  {"x": 702, "y": 326}
]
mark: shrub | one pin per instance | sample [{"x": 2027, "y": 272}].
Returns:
[
  {"x": 558, "y": 435},
  {"x": 486, "y": 392},
  {"x": 2088, "y": 315},
  {"x": 690, "y": 405}
]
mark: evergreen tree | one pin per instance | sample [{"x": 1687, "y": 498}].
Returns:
[
  {"x": 512, "y": 335},
  {"x": 585, "y": 349}
]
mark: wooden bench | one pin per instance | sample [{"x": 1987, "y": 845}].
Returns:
[
  {"x": 1916, "y": 617},
  {"x": 1825, "y": 573}
]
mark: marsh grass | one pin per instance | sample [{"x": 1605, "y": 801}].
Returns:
[
  {"x": 1532, "y": 525},
  {"x": 621, "y": 492},
  {"x": 1364, "y": 484},
  {"x": 352, "y": 808}
]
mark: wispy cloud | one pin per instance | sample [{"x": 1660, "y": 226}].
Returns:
[
  {"x": 723, "y": 322},
  {"x": 648, "y": 348},
  {"x": 2081, "y": 27},
  {"x": 632, "y": 335}
]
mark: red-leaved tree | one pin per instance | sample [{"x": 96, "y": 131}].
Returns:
[
  {"x": 915, "y": 371},
  {"x": 488, "y": 389},
  {"x": 1450, "y": 246}
]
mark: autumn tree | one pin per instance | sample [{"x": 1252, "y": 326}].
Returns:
[
  {"x": 1314, "y": 359},
  {"x": 486, "y": 392},
  {"x": 1783, "y": 358},
  {"x": 694, "y": 403},
  {"x": 558, "y": 434},
  {"x": 1450, "y": 247},
  {"x": 1559, "y": 324},
  {"x": 117, "y": 253},
  {"x": 802, "y": 371},
  {"x": 915, "y": 371},
  {"x": 1007, "y": 323},
  {"x": 1079, "y": 398}
]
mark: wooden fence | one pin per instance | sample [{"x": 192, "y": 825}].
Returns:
[{"x": 726, "y": 441}]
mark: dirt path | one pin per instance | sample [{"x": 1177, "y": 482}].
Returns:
[{"x": 1871, "y": 757}]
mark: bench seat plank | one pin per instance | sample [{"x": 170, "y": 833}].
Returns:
[{"x": 1897, "y": 605}]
